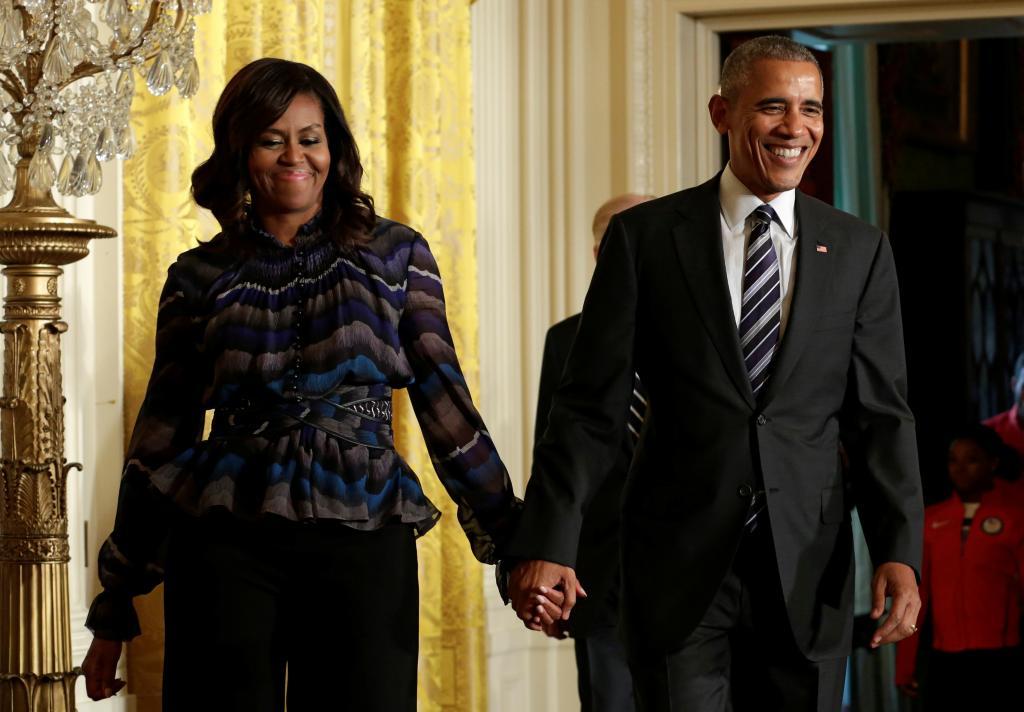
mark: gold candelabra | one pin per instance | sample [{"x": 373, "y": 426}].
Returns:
[{"x": 66, "y": 85}]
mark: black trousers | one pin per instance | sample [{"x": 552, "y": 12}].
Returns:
[
  {"x": 742, "y": 656},
  {"x": 244, "y": 601},
  {"x": 602, "y": 672}
]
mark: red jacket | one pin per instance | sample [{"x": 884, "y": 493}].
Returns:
[{"x": 973, "y": 589}]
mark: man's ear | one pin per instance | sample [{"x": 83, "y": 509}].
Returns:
[{"x": 718, "y": 107}]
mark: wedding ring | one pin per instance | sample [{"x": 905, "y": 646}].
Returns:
[{"x": 913, "y": 628}]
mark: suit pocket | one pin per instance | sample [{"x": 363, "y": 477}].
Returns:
[
  {"x": 833, "y": 508},
  {"x": 836, "y": 320}
]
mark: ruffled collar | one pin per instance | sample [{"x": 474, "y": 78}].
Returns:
[{"x": 309, "y": 233}]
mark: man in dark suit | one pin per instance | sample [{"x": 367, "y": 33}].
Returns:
[
  {"x": 764, "y": 325},
  {"x": 603, "y": 677}
]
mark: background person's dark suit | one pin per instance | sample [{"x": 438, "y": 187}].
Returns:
[
  {"x": 603, "y": 678},
  {"x": 659, "y": 304}
]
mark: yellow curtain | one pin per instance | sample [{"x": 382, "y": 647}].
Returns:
[{"x": 402, "y": 69}]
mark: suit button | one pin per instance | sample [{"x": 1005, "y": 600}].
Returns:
[
  {"x": 761, "y": 420},
  {"x": 745, "y": 491}
]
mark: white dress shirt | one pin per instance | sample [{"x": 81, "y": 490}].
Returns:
[{"x": 737, "y": 205}]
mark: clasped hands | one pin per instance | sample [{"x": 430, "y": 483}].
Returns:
[{"x": 543, "y": 595}]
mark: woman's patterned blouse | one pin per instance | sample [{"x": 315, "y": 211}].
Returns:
[{"x": 296, "y": 349}]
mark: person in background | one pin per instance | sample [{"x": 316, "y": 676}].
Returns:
[
  {"x": 971, "y": 587},
  {"x": 603, "y": 678},
  {"x": 286, "y": 538},
  {"x": 1009, "y": 425}
]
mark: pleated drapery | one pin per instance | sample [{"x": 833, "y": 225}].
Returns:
[{"x": 403, "y": 71}]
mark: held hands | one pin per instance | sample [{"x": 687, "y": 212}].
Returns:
[
  {"x": 543, "y": 594},
  {"x": 100, "y": 666},
  {"x": 895, "y": 580}
]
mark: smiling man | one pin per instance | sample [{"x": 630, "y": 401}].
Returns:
[{"x": 761, "y": 321}]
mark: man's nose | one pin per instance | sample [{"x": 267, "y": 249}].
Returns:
[{"x": 793, "y": 123}]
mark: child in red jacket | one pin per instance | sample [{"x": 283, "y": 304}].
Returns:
[{"x": 971, "y": 586}]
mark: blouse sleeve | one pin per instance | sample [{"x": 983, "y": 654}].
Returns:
[
  {"x": 460, "y": 446},
  {"x": 169, "y": 425}
]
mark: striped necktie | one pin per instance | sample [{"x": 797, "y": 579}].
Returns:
[
  {"x": 637, "y": 410},
  {"x": 760, "y": 313}
]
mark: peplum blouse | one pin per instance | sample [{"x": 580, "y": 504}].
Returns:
[{"x": 296, "y": 350}]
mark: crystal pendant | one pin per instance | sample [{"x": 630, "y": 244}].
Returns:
[
  {"x": 64, "y": 174},
  {"x": 72, "y": 50},
  {"x": 10, "y": 31},
  {"x": 201, "y": 7},
  {"x": 34, "y": 7},
  {"x": 93, "y": 176},
  {"x": 41, "y": 171},
  {"x": 13, "y": 154},
  {"x": 86, "y": 27},
  {"x": 106, "y": 145},
  {"x": 56, "y": 68},
  {"x": 6, "y": 175},
  {"x": 125, "y": 141},
  {"x": 115, "y": 12},
  {"x": 45, "y": 138},
  {"x": 188, "y": 82},
  {"x": 161, "y": 74},
  {"x": 126, "y": 85},
  {"x": 77, "y": 174}
]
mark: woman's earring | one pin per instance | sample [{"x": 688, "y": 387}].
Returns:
[{"x": 247, "y": 199}]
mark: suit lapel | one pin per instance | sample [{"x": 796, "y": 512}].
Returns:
[
  {"x": 813, "y": 270},
  {"x": 698, "y": 241}
]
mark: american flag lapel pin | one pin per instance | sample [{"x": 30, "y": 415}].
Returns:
[{"x": 823, "y": 249}]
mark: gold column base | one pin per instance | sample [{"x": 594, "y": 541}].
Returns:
[
  {"x": 50, "y": 692},
  {"x": 37, "y": 673}
]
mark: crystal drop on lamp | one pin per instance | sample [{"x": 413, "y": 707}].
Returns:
[
  {"x": 56, "y": 67},
  {"x": 188, "y": 82},
  {"x": 45, "y": 138},
  {"x": 64, "y": 174},
  {"x": 93, "y": 176},
  {"x": 115, "y": 12},
  {"x": 41, "y": 172},
  {"x": 6, "y": 175},
  {"x": 73, "y": 50},
  {"x": 126, "y": 85},
  {"x": 125, "y": 141},
  {"x": 106, "y": 144},
  {"x": 161, "y": 74},
  {"x": 77, "y": 176},
  {"x": 10, "y": 32}
]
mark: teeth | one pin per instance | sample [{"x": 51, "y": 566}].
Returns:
[{"x": 784, "y": 152}]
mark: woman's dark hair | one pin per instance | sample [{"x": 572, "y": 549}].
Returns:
[
  {"x": 988, "y": 440},
  {"x": 255, "y": 98}
]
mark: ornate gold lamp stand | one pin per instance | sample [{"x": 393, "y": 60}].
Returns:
[
  {"x": 36, "y": 237},
  {"x": 66, "y": 88}
]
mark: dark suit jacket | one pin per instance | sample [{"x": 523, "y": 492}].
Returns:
[
  {"x": 659, "y": 303},
  {"x": 597, "y": 563}
]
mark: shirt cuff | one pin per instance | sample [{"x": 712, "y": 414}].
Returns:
[{"x": 112, "y": 617}]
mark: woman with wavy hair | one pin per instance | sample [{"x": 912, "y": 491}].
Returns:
[{"x": 286, "y": 536}]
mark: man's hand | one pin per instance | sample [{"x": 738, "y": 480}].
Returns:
[
  {"x": 543, "y": 592},
  {"x": 895, "y": 580},
  {"x": 100, "y": 666}
]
